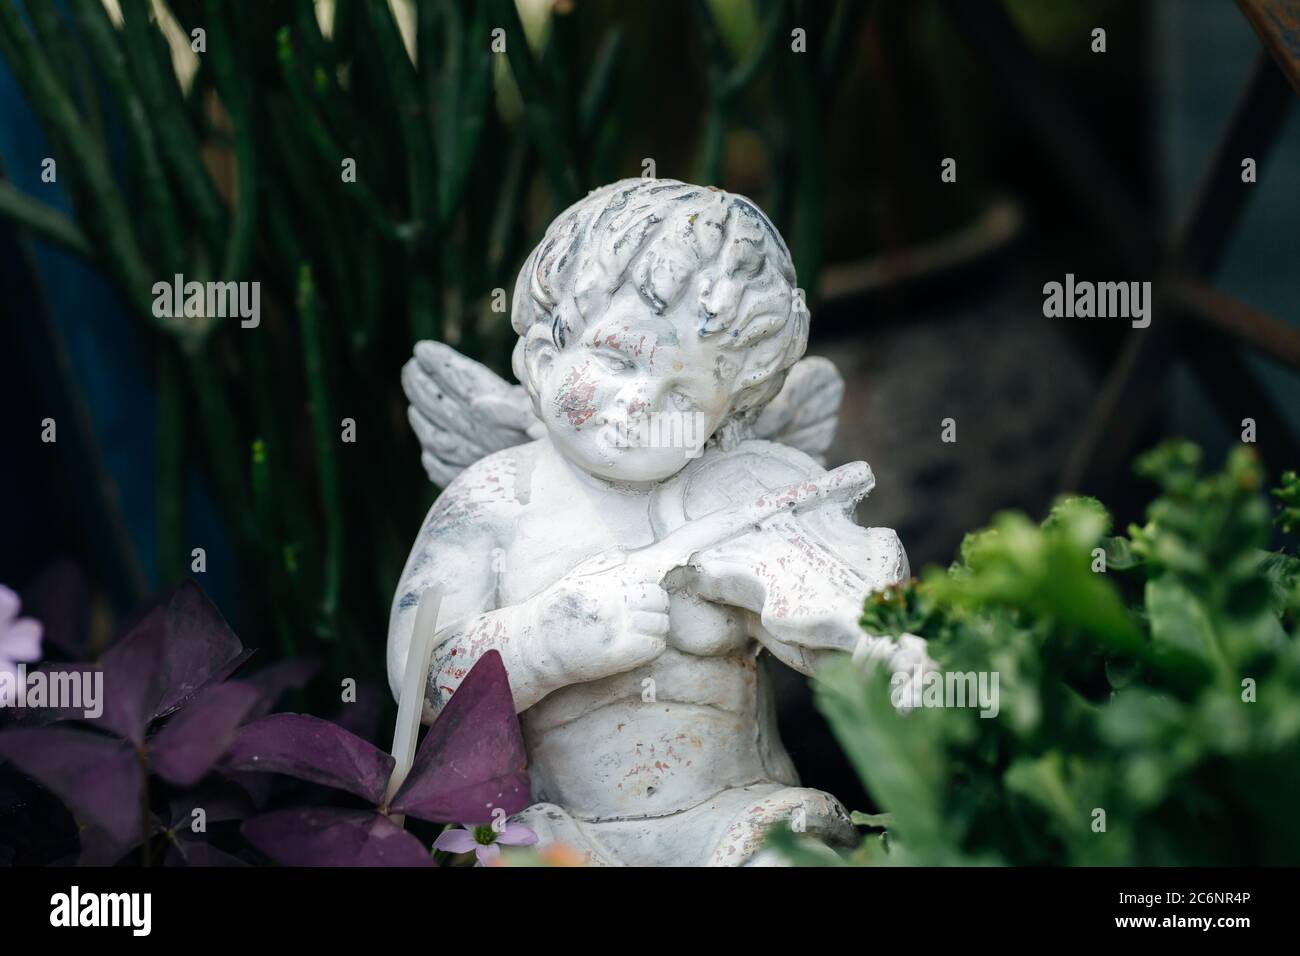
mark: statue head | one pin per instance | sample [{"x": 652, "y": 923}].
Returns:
[{"x": 653, "y": 317}]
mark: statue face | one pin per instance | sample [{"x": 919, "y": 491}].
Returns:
[{"x": 639, "y": 394}]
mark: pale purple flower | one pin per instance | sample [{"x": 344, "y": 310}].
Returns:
[
  {"x": 485, "y": 841},
  {"x": 20, "y": 643}
]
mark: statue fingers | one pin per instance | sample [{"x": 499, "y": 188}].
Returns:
[
  {"x": 910, "y": 654},
  {"x": 650, "y": 623},
  {"x": 637, "y": 649},
  {"x": 648, "y": 596}
]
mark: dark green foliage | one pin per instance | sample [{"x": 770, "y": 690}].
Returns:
[
  {"x": 239, "y": 177},
  {"x": 462, "y": 156},
  {"x": 1289, "y": 496},
  {"x": 1164, "y": 691}
]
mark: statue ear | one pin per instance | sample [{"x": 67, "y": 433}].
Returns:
[{"x": 539, "y": 355}]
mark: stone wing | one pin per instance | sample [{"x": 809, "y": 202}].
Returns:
[
  {"x": 461, "y": 410},
  {"x": 806, "y": 410}
]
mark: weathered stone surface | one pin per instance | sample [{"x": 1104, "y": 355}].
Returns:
[{"x": 643, "y": 523}]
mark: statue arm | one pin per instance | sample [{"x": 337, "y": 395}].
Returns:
[
  {"x": 803, "y": 580},
  {"x": 508, "y": 630},
  {"x": 457, "y": 556}
]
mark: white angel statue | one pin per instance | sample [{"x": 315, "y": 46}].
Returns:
[{"x": 635, "y": 524}]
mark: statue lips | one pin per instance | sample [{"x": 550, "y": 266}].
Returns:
[{"x": 846, "y": 484}]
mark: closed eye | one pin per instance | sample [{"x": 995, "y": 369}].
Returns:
[{"x": 616, "y": 362}]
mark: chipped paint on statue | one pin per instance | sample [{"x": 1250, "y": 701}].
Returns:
[{"x": 639, "y": 588}]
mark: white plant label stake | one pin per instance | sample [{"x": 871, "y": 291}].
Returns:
[{"x": 411, "y": 704}]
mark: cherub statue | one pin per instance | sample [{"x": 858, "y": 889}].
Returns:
[{"x": 639, "y": 520}]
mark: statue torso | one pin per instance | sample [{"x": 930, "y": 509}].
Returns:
[{"x": 658, "y": 739}]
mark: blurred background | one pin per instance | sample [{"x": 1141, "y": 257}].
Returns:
[{"x": 224, "y": 163}]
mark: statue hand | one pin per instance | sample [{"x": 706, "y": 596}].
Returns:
[
  {"x": 906, "y": 660},
  {"x": 588, "y": 626}
]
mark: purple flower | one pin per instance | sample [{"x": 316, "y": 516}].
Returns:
[
  {"x": 484, "y": 840},
  {"x": 20, "y": 642}
]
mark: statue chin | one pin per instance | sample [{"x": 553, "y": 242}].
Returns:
[{"x": 634, "y": 465}]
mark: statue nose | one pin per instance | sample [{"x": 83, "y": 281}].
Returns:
[
  {"x": 637, "y": 400},
  {"x": 635, "y": 405}
]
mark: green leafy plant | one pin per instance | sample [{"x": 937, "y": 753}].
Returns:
[{"x": 1149, "y": 687}]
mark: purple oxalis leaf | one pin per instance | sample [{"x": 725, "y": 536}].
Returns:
[
  {"x": 472, "y": 760},
  {"x": 278, "y": 678},
  {"x": 220, "y": 674},
  {"x": 180, "y": 647},
  {"x": 186, "y": 852},
  {"x": 135, "y": 677},
  {"x": 257, "y": 787},
  {"x": 193, "y": 740},
  {"x": 312, "y": 749},
  {"x": 96, "y": 848},
  {"x": 327, "y": 836},
  {"x": 98, "y": 777},
  {"x": 220, "y": 800},
  {"x": 200, "y": 646}
]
